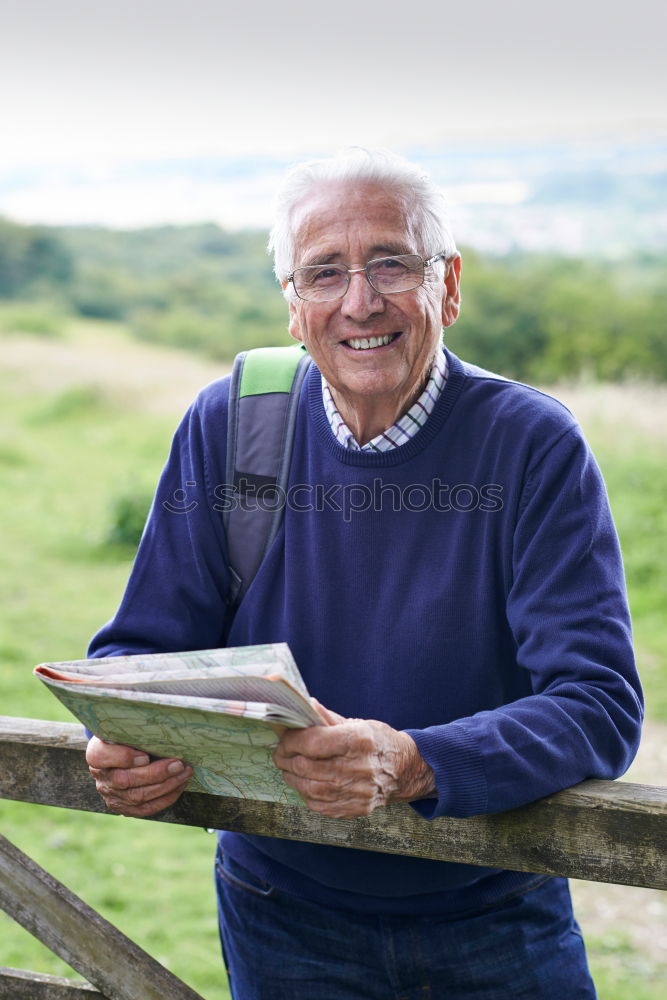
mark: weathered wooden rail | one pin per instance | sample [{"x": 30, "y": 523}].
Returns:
[
  {"x": 604, "y": 831},
  {"x": 85, "y": 940}
]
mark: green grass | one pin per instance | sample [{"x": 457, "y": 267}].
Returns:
[
  {"x": 627, "y": 429},
  {"x": 620, "y": 972},
  {"x": 65, "y": 459},
  {"x": 31, "y": 317},
  {"x": 152, "y": 881},
  {"x": 70, "y": 458},
  {"x": 636, "y": 478}
]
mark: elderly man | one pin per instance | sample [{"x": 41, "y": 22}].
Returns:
[{"x": 467, "y": 631}]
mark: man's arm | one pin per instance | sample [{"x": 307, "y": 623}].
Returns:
[
  {"x": 567, "y": 610},
  {"x": 174, "y": 600}
]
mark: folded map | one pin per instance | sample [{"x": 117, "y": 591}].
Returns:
[{"x": 221, "y": 710}]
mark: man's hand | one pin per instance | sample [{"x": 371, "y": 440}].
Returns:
[
  {"x": 352, "y": 766},
  {"x": 130, "y": 783}
]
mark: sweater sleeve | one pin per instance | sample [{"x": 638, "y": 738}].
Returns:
[
  {"x": 567, "y": 609},
  {"x": 175, "y": 596}
]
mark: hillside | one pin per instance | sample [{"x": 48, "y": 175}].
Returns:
[{"x": 87, "y": 419}]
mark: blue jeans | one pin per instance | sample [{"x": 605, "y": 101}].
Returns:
[{"x": 280, "y": 947}]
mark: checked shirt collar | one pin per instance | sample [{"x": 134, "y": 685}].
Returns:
[{"x": 405, "y": 428}]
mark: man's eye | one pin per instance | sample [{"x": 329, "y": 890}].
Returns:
[
  {"x": 389, "y": 264},
  {"x": 327, "y": 274}
]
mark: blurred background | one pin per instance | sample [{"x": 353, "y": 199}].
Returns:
[{"x": 140, "y": 147}]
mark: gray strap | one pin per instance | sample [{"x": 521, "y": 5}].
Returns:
[{"x": 259, "y": 451}]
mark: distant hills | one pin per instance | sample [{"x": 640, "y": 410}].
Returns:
[
  {"x": 591, "y": 197},
  {"x": 538, "y": 316}
]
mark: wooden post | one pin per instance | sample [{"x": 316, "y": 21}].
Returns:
[
  {"x": 113, "y": 963},
  {"x": 603, "y": 831}
]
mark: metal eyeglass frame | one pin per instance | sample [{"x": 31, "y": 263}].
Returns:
[{"x": 426, "y": 262}]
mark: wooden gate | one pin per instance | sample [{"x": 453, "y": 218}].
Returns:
[{"x": 603, "y": 831}]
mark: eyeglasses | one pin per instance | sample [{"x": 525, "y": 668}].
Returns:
[{"x": 387, "y": 275}]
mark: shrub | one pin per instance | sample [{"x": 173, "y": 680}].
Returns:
[
  {"x": 128, "y": 517},
  {"x": 38, "y": 319}
]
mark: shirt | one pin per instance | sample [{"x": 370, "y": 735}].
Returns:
[{"x": 405, "y": 428}]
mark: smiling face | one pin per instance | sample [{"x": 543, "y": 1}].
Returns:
[{"x": 351, "y": 224}]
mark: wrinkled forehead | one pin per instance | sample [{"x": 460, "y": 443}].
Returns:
[{"x": 342, "y": 217}]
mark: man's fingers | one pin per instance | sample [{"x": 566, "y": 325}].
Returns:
[
  {"x": 143, "y": 800},
  {"x": 322, "y": 797},
  {"x": 134, "y": 777},
  {"x": 349, "y": 785},
  {"x": 130, "y": 783},
  {"x": 140, "y": 794},
  {"x": 350, "y": 768},
  {"x": 317, "y": 790},
  {"x": 329, "y": 716},
  {"x": 320, "y": 741},
  {"x": 101, "y": 754},
  {"x": 330, "y": 769},
  {"x": 145, "y": 809}
]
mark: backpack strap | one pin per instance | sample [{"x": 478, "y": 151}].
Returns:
[{"x": 263, "y": 398}]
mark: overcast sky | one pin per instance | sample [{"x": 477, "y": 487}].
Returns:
[
  {"x": 146, "y": 78},
  {"x": 99, "y": 84}
]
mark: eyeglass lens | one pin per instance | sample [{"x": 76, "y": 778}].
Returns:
[{"x": 386, "y": 275}]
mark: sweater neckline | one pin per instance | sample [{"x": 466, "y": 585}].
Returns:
[{"x": 404, "y": 452}]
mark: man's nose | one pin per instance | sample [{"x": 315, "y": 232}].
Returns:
[{"x": 361, "y": 300}]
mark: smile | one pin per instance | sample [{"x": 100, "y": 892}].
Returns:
[{"x": 368, "y": 343}]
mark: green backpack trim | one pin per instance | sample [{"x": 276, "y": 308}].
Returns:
[{"x": 269, "y": 369}]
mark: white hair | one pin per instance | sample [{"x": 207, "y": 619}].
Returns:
[{"x": 362, "y": 166}]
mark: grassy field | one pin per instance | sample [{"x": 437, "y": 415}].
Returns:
[{"x": 87, "y": 418}]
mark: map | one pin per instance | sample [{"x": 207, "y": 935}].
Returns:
[{"x": 228, "y": 742}]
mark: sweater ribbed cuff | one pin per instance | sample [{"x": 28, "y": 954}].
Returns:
[{"x": 453, "y": 754}]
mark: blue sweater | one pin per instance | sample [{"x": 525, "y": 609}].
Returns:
[{"x": 466, "y": 587}]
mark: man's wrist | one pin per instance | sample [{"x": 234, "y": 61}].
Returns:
[{"x": 417, "y": 777}]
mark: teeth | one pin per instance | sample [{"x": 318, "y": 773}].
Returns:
[{"x": 364, "y": 343}]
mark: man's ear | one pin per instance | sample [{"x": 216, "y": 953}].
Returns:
[
  {"x": 451, "y": 302},
  {"x": 294, "y": 326}
]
